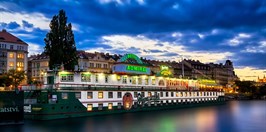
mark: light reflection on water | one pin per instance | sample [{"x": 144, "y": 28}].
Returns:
[{"x": 236, "y": 116}]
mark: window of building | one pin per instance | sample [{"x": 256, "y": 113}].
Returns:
[
  {"x": 89, "y": 95},
  {"x": 91, "y": 64},
  {"x": 96, "y": 78},
  {"x": 110, "y": 106},
  {"x": 11, "y": 63},
  {"x": 11, "y": 55},
  {"x": 166, "y": 94},
  {"x": 20, "y": 56},
  {"x": 67, "y": 78},
  {"x": 161, "y": 94},
  {"x": 106, "y": 78},
  {"x": 11, "y": 47},
  {"x": 153, "y": 81},
  {"x": 146, "y": 81},
  {"x": 20, "y": 64},
  {"x": 124, "y": 79},
  {"x": 134, "y": 80},
  {"x": 110, "y": 94},
  {"x": 98, "y": 65},
  {"x": 118, "y": 78},
  {"x": 89, "y": 107},
  {"x": 100, "y": 106},
  {"x": 119, "y": 95},
  {"x": 78, "y": 95},
  {"x": 104, "y": 65},
  {"x": 100, "y": 95},
  {"x": 64, "y": 96},
  {"x": 172, "y": 94},
  {"x": 139, "y": 81},
  {"x": 85, "y": 77},
  {"x": 119, "y": 105}
]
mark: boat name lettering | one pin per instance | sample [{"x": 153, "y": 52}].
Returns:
[
  {"x": 136, "y": 68},
  {"x": 9, "y": 109}
]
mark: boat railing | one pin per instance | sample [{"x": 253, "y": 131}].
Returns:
[{"x": 65, "y": 86}]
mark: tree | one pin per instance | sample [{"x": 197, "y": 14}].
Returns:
[
  {"x": 246, "y": 86},
  {"x": 60, "y": 44},
  {"x": 14, "y": 77}
]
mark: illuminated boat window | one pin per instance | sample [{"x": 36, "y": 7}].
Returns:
[
  {"x": 124, "y": 80},
  {"x": 177, "y": 94},
  {"x": 134, "y": 80},
  {"x": 139, "y": 81},
  {"x": 153, "y": 82},
  {"x": 149, "y": 94},
  {"x": 118, "y": 78},
  {"x": 100, "y": 95},
  {"x": 146, "y": 81},
  {"x": 110, "y": 106},
  {"x": 85, "y": 77},
  {"x": 89, "y": 95},
  {"x": 89, "y": 107}
]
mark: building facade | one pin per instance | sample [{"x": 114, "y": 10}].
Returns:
[
  {"x": 38, "y": 65},
  {"x": 13, "y": 53},
  {"x": 103, "y": 63}
]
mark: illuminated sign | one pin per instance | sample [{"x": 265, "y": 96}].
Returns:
[
  {"x": 206, "y": 81},
  {"x": 131, "y": 69},
  {"x": 130, "y": 56},
  {"x": 136, "y": 68},
  {"x": 165, "y": 71}
]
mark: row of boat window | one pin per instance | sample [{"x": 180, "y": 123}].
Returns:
[
  {"x": 87, "y": 78},
  {"x": 119, "y": 105},
  {"x": 161, "y": 94}
]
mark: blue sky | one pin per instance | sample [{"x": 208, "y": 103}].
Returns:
[{"x": 205, "y": 30}]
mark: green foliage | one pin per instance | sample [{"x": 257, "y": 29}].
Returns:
[
  {"x": 13, "y": 77},
  {"x": 262, "y": 90},
  {"x": 60, "y": 44},
  {"x": 246, "y": 86}
]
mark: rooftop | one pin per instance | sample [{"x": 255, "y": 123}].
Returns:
[{"x": 7, "y": 37}]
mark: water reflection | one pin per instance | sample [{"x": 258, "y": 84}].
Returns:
[{"x": 243, "y": 116}]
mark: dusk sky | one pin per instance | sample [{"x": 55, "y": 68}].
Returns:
[{"x": 204, "y": 30}]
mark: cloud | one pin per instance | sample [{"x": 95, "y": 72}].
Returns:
[
  {"x": 209, "y": 31},
  {"x": 261, "y": 48},
  {"x": 34, "y": 49},
  {"x": 168, "y": 51},
  {"x": 249, "y": 73}
]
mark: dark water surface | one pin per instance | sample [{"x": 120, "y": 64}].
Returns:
[{"x": 235, "y": 116}]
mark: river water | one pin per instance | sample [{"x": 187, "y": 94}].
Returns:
[{"x": 235, "y": 116}]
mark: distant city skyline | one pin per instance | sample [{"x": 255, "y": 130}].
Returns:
[{"x": 208, "y": 31}]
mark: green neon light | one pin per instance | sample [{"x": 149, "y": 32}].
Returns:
[
  {"x": 131, "y": 56},
  {"x": 136, "y": 68}
]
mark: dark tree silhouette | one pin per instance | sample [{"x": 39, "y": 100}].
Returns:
[{"x": 60, "y": 44}]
